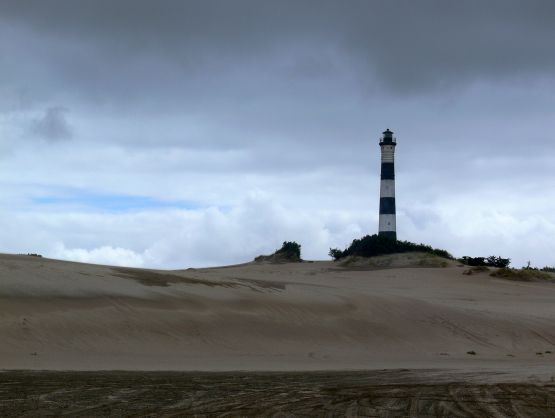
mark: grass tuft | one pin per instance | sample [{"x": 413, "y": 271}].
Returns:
[{"x": 525, "y": 275}]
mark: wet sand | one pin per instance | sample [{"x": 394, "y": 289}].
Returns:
[{"x": 391, "y": 393}]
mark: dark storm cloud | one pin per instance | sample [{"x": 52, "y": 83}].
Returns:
[
  {"x": 182, "y": 48},
  {"x": 261, "y": 73},
  {"x": 53, "y": 125}
]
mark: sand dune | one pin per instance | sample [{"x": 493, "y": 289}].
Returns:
[{"x": 395, "y": 313}]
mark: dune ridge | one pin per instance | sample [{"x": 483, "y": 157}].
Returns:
[{"x": 319, "y": 315}]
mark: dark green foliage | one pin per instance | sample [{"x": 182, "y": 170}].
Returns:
[
  {"x": 473, "y": 261},
  {"x": 372, "y": 245},
  {"x": 290, "y": 249},
  {"x": 548, "y": 269},
  {"x": 335, "y": 253},
  {"x": 290, "y": 252},
  {"x": 491, "y": 261},
  {"x": 498, "y": 262}
]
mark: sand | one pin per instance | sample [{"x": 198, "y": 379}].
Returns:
[
  {"x": 389, "y": 394},
  {"x": 398, "y": 313}
]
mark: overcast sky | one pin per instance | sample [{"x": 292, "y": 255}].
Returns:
[{"x": 195, "y": 133}]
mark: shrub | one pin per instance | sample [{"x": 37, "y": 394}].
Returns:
[
  {"x": 491, "y": 261},
  {"x": 289, "y": 252},
  {"x": 372, "y": 245},
  {"x": 290, "y": 249},
  {"x": 500, "y": 262},
  {"x": 335, "y": 253},
  {"x": 473, "y": 261}
]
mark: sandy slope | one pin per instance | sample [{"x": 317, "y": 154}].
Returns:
[{"x": 307, "y": 316}]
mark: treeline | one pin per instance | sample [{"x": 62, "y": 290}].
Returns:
[
  {"x": 500, "y": 262},
  {"x": 372, "y": 245},
  {"x": 491, "y": 261}
]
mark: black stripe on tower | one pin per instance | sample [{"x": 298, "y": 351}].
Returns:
[
  {"x": 388, "y": 171},
  {"x": 387, "y": 206}
]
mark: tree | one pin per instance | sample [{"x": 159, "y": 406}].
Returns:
[
  {"x": 335, "y": 253},
  {"x": 290, "y": 249},
  {"x": 494, "y": 261}
]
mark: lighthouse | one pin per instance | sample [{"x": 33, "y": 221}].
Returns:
[{"x": 387, "y": 226}]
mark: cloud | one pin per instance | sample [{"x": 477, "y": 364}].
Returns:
[
  {"x": 103, "y": 255},
  {"x": 177, "y": 238},
  {"x": 194, "y": 51},
  {"x": 181, "y": 112},
  {"x": 53, "y": 125},
  {"x": 258, "y": 224}
]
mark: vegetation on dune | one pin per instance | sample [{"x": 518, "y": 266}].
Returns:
[
  {"x": 398, "y": 260},
  {"x": 491, "y": 261},
  {"x": 290, "y": 251},
  {"x": 373, "y": 245},
  {"x": 546, "y": 269},
  {"x": 475, "y": 269},
  {"x": 525, "y": 274}
]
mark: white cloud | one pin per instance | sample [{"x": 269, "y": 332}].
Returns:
[
  {"x": 182, "y": 238},
  {"x": 102, "y": 255},
  {"x": 258, "y": 224}
]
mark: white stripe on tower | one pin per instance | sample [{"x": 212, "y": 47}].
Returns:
[{"x": 387, "y": 226}]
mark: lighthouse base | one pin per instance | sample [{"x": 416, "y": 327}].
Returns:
[{"x": 388, "y": 234}]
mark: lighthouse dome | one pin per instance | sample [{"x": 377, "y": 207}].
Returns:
[{"x": 387, "y": 138}]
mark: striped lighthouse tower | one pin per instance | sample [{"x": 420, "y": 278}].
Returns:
[{"x": 387, "y": 186}]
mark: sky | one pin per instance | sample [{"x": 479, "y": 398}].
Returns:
[{"x": 174, "y": 134}]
